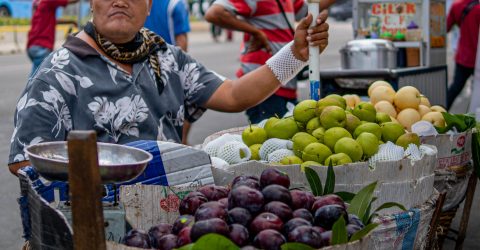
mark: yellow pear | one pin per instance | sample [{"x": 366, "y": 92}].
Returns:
[
  {"x": 435, "y": 118},
  {"x": 407, "y": 117},
  {"x": 376, "y": 84},
  {"x": 422, "y": 109},
  {"x": 407, "y": 97},
  {"x": 386, "y": 107},
  {"x": 424, "y": 101},
  {"x": 382, "y": 93},
  {"x": 357, "y": 99},
  {"x": 438, "y": 108},
  {"x": 350, "y": 100}
]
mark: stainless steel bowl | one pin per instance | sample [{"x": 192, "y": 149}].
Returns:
[
  {"x": 118, "y": 163},
  {"x": 369, "y": 54}
]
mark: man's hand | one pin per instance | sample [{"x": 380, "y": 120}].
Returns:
[
  {"x": 314, "y": 36},
  {"x": 259, "y": 41}
]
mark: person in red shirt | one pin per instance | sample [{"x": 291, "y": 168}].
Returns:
[
  {"x": 41, "y": 36},
  {"x": 465, "y": 14},
  {"x": 267, "y": 25}
]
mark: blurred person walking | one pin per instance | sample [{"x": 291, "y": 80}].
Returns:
[
  {"x": 267, "y": 25},
  {"x": 170, "y": 20},
  {"x": 41, "y": 37},
  {"x": 466, "y": 15}
]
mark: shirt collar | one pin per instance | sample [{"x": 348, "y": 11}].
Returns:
[{"x": 79, "y": 47}]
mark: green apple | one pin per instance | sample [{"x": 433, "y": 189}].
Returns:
[
  {"x": 369, "y": 143},
  {"x": 254, "y": 135},
  {"x": 326, "y": 102},
  {"x": 350, "y": 147},
  {"x": 339, "y": 98},
  {"x": 407, "y": 139},
  {"x": 319, "y": 133},
  {"x": 332, "y": 135},
  {"x": 351, "y": 123},
  {"x": 255, "y": 149},
  {"x": 300, "y": 141},
  {"x": 391, "y": 131},
  {"x": 382, "y": 117},
  {"x": 270, "y": 122},
  {"x": 316, "y": 152},
  {"x": 283, "y": 128},
  {"x": 313, "y": 124},
  {"x": 338, "y": 159},
  {"x": 309, "y": 164},
  {"x": 333, "y": 116},
  {"x": 304, "y": 111},
  {"x": 369, "y": 127},
  {"x": 291, "y": 160},
  {"x": 365, "y": 111}
]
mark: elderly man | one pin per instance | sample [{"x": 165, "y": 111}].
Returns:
[{"x": 127, "y": 84}]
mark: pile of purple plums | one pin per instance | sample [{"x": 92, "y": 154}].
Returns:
[{"x": 255, "y": 214}]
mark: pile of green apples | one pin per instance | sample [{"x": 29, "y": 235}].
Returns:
[{"x": 330, "y": 132}]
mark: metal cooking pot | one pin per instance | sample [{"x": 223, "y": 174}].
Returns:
[{"x": 369, "y": 54}]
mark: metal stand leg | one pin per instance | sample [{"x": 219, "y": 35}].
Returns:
[{"x": 472, "y": 184}]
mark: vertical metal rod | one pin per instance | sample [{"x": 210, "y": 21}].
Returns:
[{"x": 314, "y": 54}]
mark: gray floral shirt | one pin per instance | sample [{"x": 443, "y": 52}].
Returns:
[{"x": 77, "y": 88}]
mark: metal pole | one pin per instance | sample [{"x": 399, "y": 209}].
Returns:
[{"x": 314, "y": 55}]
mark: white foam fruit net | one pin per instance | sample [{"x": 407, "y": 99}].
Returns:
[
  {"x": 234, "y": 152},
  {"x": 391, "y": 152},
  {"x": 273, "y": 144},
  {"x": 213, "y": 146},
  {"x": 278, "y": 155},
  {"x": 219, "y": 163},
  {"x": 387, "y": 152},
  {"x": 413, "y": 152}
]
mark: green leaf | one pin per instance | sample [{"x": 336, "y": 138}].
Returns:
[
  {"x": 214, "y": 242},
  {"x": 362, "y": 200},
  {"x": 296, "y": 246},
  {"x": 360, "y": 234},
  {"x": 346, "y": 196},
  {"x": 314, "y": 181},
  {"x": 330, "y": 181},
  {"x": 339, "y": 232},
  {"x": 186, "y": 247}
]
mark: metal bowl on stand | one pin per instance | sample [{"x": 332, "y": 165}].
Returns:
[
  {"x": 117, "y": 163},
  {"x": 369, "y": 54}
]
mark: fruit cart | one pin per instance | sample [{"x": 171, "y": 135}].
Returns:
[{"x": 415, "y": 31}]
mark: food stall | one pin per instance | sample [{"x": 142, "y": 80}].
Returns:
[{"x": 402, "y": 42}]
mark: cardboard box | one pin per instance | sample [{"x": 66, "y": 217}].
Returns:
[
  {"x": 453, "y": 150},
  {"x": 410, "y": 184},
  {"x": 413, "y": 57}
]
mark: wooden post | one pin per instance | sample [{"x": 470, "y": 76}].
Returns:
[
  {"x": 472, "y": 184},
  {"x": 85, "y": 191},
  {"x": 435, "y": 219}
]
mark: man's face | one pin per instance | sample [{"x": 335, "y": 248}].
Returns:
[{"x": 119, "y": 20}]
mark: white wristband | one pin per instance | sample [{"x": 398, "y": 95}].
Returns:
[{"x": 284, "y": 65}]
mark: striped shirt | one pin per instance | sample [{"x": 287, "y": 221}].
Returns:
[{"x": 267, "y": 16}]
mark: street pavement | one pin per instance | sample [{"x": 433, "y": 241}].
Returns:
[{"x": 221, "y": 57}]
